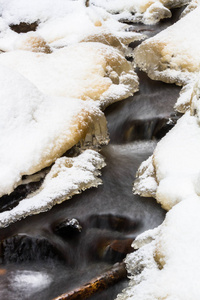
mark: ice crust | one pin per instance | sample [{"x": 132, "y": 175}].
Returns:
[{"x": 104, "y": 74}]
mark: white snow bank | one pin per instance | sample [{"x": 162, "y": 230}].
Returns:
[
  {"x": 36, "y": 129},
  {"x": 173, "y": 52},
  {"x": 174, "y": 165},
  {"x": 60, "y": 23},
  {"x": 172, "y": 173},
  {"x": 167, "y": 266},
  {"x": 67, "y": 177},
  {"x": 85, "y": 71},
  {"x": 173, "y": 55},
  {"x": 88, "y": 24},
  {"x": 145, "y": 11},
  {"x": 14, "y": 12}
]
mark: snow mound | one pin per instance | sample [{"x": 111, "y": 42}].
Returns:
[
  {"x": 174, "y": 165},
  {"x": 166, "y": 266},
  {"x": 173, "y": 55},
  {"x": 37, "y": 129},
  {"x": 104, "y": 74},
  {"x": 171, "y": 174},
  {"x": 145, "y": 11},
  {"x": 61, "y": 63},
  {"x": 60, "y": 23}
]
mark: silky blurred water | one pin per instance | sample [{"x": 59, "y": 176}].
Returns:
[{"x": 37, "y": 262}]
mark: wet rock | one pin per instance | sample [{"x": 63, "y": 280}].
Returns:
[
  {"x": 23, "y": 27},
  {"x": 9, "y": 201},
  {"x": 117, "y": 250},
  {"x": 24, "y": 248},
  {"x": 113, "y": 222},
  {"x": 112, "y": 251},
  {"x": 68, "y": 228}
]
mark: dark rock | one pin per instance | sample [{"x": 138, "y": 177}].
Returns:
[
  {"x": 117, "y": 250},
  {"x": 113, "y": 222},
  {"x": 112, "y": 251},
  {"x": 9, "y": 201},
  {"x": 24, "y": 248},
  {"x": 23, "y": 27},
  {"x": 67, "y": 229}
]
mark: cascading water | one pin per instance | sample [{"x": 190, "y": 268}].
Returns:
[{"x": 46, "y": 255}]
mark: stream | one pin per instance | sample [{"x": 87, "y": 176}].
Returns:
[{"x": 46, "y": 255}]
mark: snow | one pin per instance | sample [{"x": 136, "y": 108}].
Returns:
[
  {"x": 56, "y": 78},
  {"x": 166, "y": 263},
  {"x": 36, "y": 129},
  {"x": 166, "y": 266},
  {"x": 172, "y": 173},
  {"x": 60, "y": 23},
  {"x": 145, "y": 184},
  {"x": 89, "y": 24},
  {"x": 175, "y": 48},
  {"x": 173, "y": 55},
  {"x": 145, "y": 11},
  {"x": 67, "y": 177},
  {"x": 104, "y": 74}
]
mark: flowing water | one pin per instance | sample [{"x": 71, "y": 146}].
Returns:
[{"x": 46, "y": 255}]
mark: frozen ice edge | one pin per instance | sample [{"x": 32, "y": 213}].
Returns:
[{"x": 60, "y": 184}]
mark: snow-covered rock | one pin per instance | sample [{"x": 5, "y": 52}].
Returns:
[
  {"x": 173, "y": 55},
  {"x": 145, "y": 11},
  {"x": 172, "y": 173},
  {"x": 85, "y": 71},
  {"x": 67, "y": 177},
  {"x": 166, "y": 266},
  {"x": 37, "y": 129},
  {"x": 60, "y": 23}
]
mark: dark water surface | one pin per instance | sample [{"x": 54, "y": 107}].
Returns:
[{"x": 43, "y": 256}]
